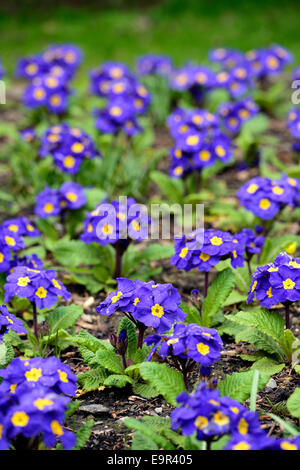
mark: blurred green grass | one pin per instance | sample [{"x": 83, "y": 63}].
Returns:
[{"x": 184, "y": 29}]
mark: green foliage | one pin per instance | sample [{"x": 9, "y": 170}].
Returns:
[
  {"x": 117, "y": 380},
  {"x": 293, "y": 403},
  {"x": 83, "y": 434},
  {"x": 266, "y": 331},
  {"x": 6, "y": 354},
  {"x": 167, "y": 382},
  {"x": 153, "y": 434},
  {"x": 218, "y": 292},
  {"x": 275, "y": 245},
  {"x": 238, "y": 385},
  {"x": 92, "y": 379},
  {"x": 63, "y": 318}
]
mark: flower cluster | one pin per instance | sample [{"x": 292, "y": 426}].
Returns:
[
  {"x": 265, "y": 197},
  {"x": 49, "y": 74},
  {"x": 293, "y": 124},
  {"x": 202, "y": 345},
  {"x": 268, "y": 61},
  {"x": 12, "y": 232},
  {"x": 8, "y": 321},
  {"x": 196, "y": 79},
  {"x": 37, "y": 285},
  {"x": 155, "y": 305},
  {"x": 199, "y": 142},
  {"x": 69, "y": 146},
  {"x": 154, "y": 64},
  {"x": 114, "y": 221},
  {"x": 32, "y": 401},
  {"x": 204, "y": 249},
  {"x": 126, "y": 98},
  {"x": 276, "y": 282},
  {"x": 234, "y": 114},
  {"x": 212, "y": 416},
  {"x": 51, "y": 202}
]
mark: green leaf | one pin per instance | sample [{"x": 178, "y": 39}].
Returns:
[
  {"x": 293, "y": 403},
  {"x": 168, "y": 382},
  {"x": 109, "y": 360},
  {"x": 118, "y": 381},
  {"x": 261, "y": 341},
  {"x": 91, "y": 342},
  {"x": 64, "y": 317},
  {"x": 193, "y": 315},
  {"x": 272, "y": 324},
  {"x": 218, "y": 292},
  {"x": 156, "y": 251},
  {"x": 172, "y": 188},
  {"x": 144, "y": 429},
  {"x": 145, "y": 390},
  {"x": 234, "y": 298},
  {"x": 142, "y": 442},
  {"x": 73, "y": 253},
  {"x": 6, "y": 354},
  {"x": 267, "y": 366},
  {"x": 83, "y": 434},
  {"x": 238, "y": 385},
  {"x": 92, "y": 379},
  {"x": 297, "y": 369},
  {"x": 288, "y": 427},
  {"x": 242, "y": 279},
  {"x": 129, "y": 326}
]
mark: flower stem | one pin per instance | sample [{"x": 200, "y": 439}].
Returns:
[
  {"x": 142, "y": 330},
  {"x": 205, "y": 284},
  {"x": 287, "y": 315},
  {"x": 35, "y": 322}
]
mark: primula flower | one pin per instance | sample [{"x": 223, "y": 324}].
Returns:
[
  {"x": 69, "y": 146},
  {"x": 38, "y": 286},
  {"x": 8, "y": 321},
  {"x": 28, "y": 135},
  {"x": 210, "y": 415},
  {"x": 116, "y": 221},
  {"x": 287, "y": 444},
  {"x": 276, "y": 282},
  {"x": 252, "y": 442},
  {"x": 190, "y": 341},
  {"x": 199, "y": 141},
  {"x": 31, "y": 401},
  {"x": 265, "y": 197},
  {"x": 21, "y": 226},
  {"x": 234, "y": 114},
  {"x": 50, "y": 202},
  {"x": 268, "y": 61},
  {"x": 155, "y": 305}
]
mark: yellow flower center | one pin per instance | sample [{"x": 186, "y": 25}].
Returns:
[
  {"x": 13, "y": 228},
  {"x": 204, "y": 155},
  {"x": 23, "y": 281},
  {"x": 241, "y": 446},
  {"x": 56, "y": 428},
  {"x": 277, "y": 190},
  {"x": 264, "y": 204},
  {"x": 269, "y": 292},
  {"x": 63, "y": 376},
  {"x": 77, "y": 147},
  {"x": 41, "y": 292},
  {"x": 157, "y": 310},
  {"x": 1, "y": 257},
  {"x": 252, "y": 188},
  {"x": 220, "y": 151},
  {"x": 72, "y": 197},
  {"x": 10, "y": 241},
  {"x": 201, "y": 422},
  {"x": 288, "y": 446},
  {"x": 115, "y": 111},
  {"x": 203, "y": 348},
  {"x": 192, "y": 140},
  {"x": 48, "y": 208},
  {"x": 221, "y": 419},
  {"x": 253, "y": 286},
  {"x": 20, "y": 419},
  {"x": 33, "y": 374},
  {"x": 69, "y": 161},
  {"x": 116, "y": 297},
  {"x": 183, "y": 252},
  {"x": 12, "y": 388},
  {"x": 216, "y": 241},
  {"x": 56, "y": 283},
  {"x": 41, "y": 403},
  {"x": 107, "y": 229},
  {"x": 172, "y": 341},
  {"x": 136, "y": 301},
  {"x": 243, "y": 426},
  {"x": 294, "y": 264},
  {"x": 204, "y": 256},
  {"x": 288, "y": 284}
]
